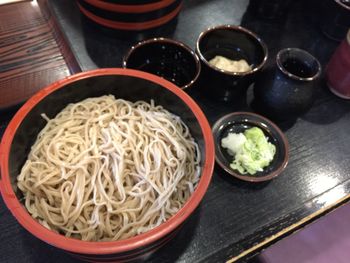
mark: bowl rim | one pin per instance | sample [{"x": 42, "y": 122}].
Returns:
[
  {"x": 282, "y": 68},
  {"x": 107, "y": 247},
  {"x": 166, "y": 41},
  {"x": 252, "y": 179},
  {"x": 234, "y": 28}
]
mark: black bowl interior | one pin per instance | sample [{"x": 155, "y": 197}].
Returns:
[
  {"x": 232, "y": 43},
  {"x": 121, "y": 86},
  {"x": 298, "y": 62},
  {"x": 240, "y": 123},
  {"x": 166, "y": 59}
]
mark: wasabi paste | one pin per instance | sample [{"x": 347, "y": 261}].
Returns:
[{"x": 251, "y": 150}]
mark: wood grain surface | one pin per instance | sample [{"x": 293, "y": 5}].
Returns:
[{"x": 32, "y": 53}]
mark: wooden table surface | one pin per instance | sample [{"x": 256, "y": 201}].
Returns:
[{"x": 235, "y": 219}]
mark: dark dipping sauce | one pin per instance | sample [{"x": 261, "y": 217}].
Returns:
[
  {"x": 168, "y": 70},
  {"x": 298, "y": 68},
  {"x": 165, "y": 58}
]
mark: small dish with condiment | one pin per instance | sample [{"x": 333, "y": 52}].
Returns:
[
  {"x": 231, "y": 57},
  {"x": 236, "y": 125}
]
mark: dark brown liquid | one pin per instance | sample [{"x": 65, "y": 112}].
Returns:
[
  {"x": 297, "y": 68},
  {"x": 170, "y": 71}
]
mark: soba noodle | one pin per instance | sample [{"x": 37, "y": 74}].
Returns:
[{"x": 108, "y": 169}]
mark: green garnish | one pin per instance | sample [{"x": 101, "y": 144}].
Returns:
[{"x": 251, "y": 149}]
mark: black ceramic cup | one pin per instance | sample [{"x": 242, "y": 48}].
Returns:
[
  {"x": 336, "y": 18},
  {"x": 167, "y": 58},
  {"x": 285, "y": 89},
  {"x": 235, "y": 43}
]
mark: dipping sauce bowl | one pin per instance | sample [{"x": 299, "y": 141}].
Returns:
[
  {"x": 234, "y": 43},
  {"x": 167, "y": 58}
]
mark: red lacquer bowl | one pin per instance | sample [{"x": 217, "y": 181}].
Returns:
[
  {"x": 136, "y": 16},
  {"x": 128, "y": 84}
]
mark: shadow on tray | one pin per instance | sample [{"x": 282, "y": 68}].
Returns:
[
  {"x": 327, "y": 107},
  {"x": 176, "y": 247},
  {"x": 236, "y": 182}
]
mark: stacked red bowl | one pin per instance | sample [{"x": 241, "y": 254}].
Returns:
[{"x": 136, "y": 16}]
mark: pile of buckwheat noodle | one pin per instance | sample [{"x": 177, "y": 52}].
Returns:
[{"x": 108, "y": 169}]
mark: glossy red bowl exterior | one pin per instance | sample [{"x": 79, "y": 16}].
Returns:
[
  {"x": 123, "y": 83},
  {"x": 130, "y": 16}
]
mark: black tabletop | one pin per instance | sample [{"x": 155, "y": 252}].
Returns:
[{"x": 235, "y": 219}]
